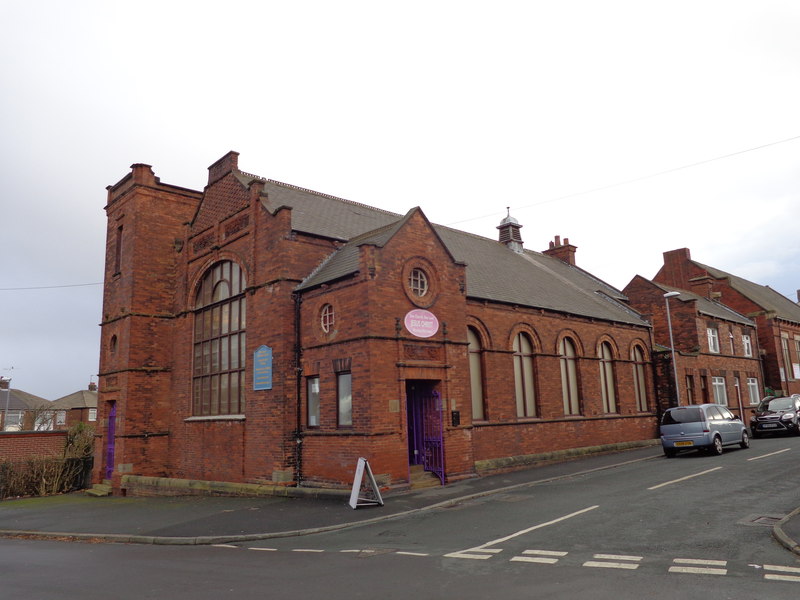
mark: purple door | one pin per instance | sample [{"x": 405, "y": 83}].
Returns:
[
  {"x": 425, "y": 434},
  {"x": 111, "y": 431}
]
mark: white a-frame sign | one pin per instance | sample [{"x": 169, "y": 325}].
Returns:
[{"x": 373, "y": 493}]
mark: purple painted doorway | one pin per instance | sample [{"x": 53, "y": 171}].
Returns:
[
  {"x": 425, "y": 426},
  {"x": 111, "y": 432}
]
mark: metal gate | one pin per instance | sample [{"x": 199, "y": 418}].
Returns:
[
  {"x": 111, "y": 432},
  {"x": 425, "y": 430}
]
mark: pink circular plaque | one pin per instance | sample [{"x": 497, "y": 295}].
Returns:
[{"x": 421, "y": 323}]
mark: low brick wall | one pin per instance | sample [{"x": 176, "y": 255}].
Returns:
[{"x": 18, "y": 446}]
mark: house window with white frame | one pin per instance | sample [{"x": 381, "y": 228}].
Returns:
[
  {"x": 786, "y": 371},
  {"x": 92, "y": 414},
  {"x": 312, "y": 386},
  {"x": 753, "y": 391},
  {"x": 713, "y": 339},
  {"x": 748, "y": 345},
  {"x": 720, "y": 393}
]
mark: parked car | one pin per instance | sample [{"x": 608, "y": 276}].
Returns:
[
  {"x": 701, "y": 427},
  {"x": 779, "y": 414}
]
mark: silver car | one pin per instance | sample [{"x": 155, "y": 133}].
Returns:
[{"x": 701, "y": 427}]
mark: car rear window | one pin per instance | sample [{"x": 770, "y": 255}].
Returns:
[
  {"x": 776, "y": 404},
  {"x": 690, "y": 414}
]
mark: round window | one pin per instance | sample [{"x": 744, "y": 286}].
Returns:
[
  {"x": 418, "y": 282},
  {"x": 327, "y": 318}
]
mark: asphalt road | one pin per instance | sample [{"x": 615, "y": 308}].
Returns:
[{"x": 691, "y": 527}]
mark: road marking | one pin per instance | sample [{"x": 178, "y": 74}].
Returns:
[
  {"x": 413, "y": 553},
  {"x": 655, "y": 487},
  {"x": 224, "y": 546},
  {"x": 770, "y": 454},
  {"x": 544, "y": 557},
  {"x": 483, "y": 547},
  {"x": 306, "y": 550},
  {"x": 264, "y": 549},
  {"x": 613, "y": 561},
  {"x": 783, "y": 569},
  {"x": 707, "y": 567},
  {"x": 698, "y": 561},
  {"x": 616, "y": 557}
]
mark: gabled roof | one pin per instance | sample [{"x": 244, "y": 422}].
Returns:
[
  {"x": 79, "y": 399},
  {"x": 19, "y": 400},
  {"x": 763, "y": 295},
  {"x": 494, "y": 272},
  {"x": 710, "y": 308}
]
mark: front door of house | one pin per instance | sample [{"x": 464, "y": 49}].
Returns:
[{"x": 425, "y": 426}]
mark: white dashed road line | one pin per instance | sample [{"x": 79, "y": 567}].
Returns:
[
  {"x": 660, "y": 485},
  {"x": 614, "y": 561},
  {"x": 779, "y": 569},
  {"x": 546, "y": 557},
  {"x": 770, "y": 454},
  {"x": 703, "y": 567},
  {"x": 474, "y": 552}
]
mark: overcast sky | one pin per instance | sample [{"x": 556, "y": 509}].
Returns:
[{"x": 631, "y": 128}]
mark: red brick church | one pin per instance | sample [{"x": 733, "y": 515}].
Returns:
[{"x": 258, "y": 332}]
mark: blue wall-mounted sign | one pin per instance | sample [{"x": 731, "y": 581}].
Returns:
[{"x": 262, "y": 368}]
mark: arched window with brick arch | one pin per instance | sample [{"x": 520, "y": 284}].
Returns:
[
  {"x": 569, "y": 376},
  {"x": 219, "y": 342},
  {"x": 524, "y": 384},
  {"x": 607, "y": 380},
  {"x": 639, "y": 379},
  {"x": 475, "y": 349}
]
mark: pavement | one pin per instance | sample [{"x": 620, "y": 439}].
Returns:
[{"x": 189, "y": 520}]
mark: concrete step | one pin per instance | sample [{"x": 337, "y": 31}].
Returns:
[
  {"x": 420, "y": 478},
  {"x": 99, "y": 490}
]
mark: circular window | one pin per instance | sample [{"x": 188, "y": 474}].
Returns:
[
  {"x": 327, "y": 318},
  {"x": 418, "y": 282}
]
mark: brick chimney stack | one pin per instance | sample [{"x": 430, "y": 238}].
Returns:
[
  {"x": 225, "y": 165},
  {"x": 565, "y": 251},
  {"x": 92, "y": 386}
]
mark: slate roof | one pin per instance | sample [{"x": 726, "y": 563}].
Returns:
[
  {"x": 494, "y": 272},
  {"x": 707, "y": 307},
  {"x": 79, "y": 399},
  {"x": 763, "y": 295},
  {"x": 19, "y": 400}
]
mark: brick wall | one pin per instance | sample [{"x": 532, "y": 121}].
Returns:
[{"x": 19, "y": 446}]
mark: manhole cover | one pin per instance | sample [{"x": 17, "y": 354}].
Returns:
[{"x": 761, "y": 520}]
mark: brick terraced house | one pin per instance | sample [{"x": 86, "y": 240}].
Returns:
[
  {"x": 716, "y": 348},
  {"x": 257, "y": 332},
  {"x": 777, "y": 318}
]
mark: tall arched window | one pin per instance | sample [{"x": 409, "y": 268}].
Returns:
[
  {"x": 569, "y": 377},
  {"x": 607, "y": 383},
  {"x": 219, "y": 342},
  {"x": 523, "y": 376},
  {"x": 476, "y": 374},
  {"x": 639, "y": 381}
]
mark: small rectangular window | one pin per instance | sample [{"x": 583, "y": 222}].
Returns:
[
  {"x": 752, "y": 390},
  {"x": 344, "y": 399},
  {"x": 713, "y": 340},
  {"x": 720, "y": 393},
  {"x": 61, "y": 417},
  {"x": 312, "y": 387},
  {"x": 748, "y": 345},
  {"x": 92, "y": 414}
]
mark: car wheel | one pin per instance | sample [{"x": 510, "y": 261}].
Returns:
[
  {"x": 745, "y": 443},
  {"x": 670, "y": 452},
  {"x": 716, "y": 448}
]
